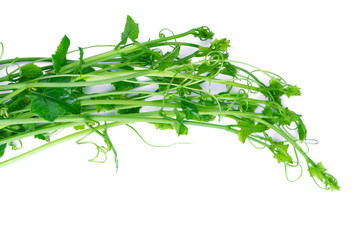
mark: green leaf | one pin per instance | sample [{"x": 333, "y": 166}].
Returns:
[
  {"x": 180, "y": 127},
  {"x": 288, "y": 116},
  {"x": 59, "y": 58},
  {"x": 30, "y": 71},
  {"x": 280, "y": 151},
  {"x": 124, "y": 86},
  {"x": 42, "y": 137},
  {"x": 246, "y": 106},
  {"x": 229, "y": 69},
  {"x": 190, "y": 109},
  {"x": 168, "y": 59},
  {"x": 163, "y": 126},
  {"x": 249, "y": 127},
  {"x": 129, "y": 110},
  {"x": 301, "y": 130},
  {"x": 203, "y": 33},
  {"x": 207, "y": 118},
  {"x": 131, "y": 31},
  {"x": 331, "y": 182},
  {"x": 79, "y": 127},
  {"x": 54, "y": 102},
  {"x": 317, "y": 171},
  {"x": 203, "y": 51},
  {"x": 220, "y": 45},
  {"x": 2, "y": 149},
  {"x": 274, "y": 91},
  {"x": 204, "y": 68},
  {"x": 292, "y": 91},
  {"x": 81, "y": 60}
]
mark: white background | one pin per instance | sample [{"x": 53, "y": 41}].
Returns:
[{"x": 216, "y": 187}]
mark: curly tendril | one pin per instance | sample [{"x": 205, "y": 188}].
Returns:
[
  {"x": 93, "y": 125},
  {"x": 162, "y": 34}
]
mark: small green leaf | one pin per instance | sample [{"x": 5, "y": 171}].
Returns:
[
  {"x": 81, "y": 60},
  {"x": 292, "y": 91},
  {"x": 30, "y": 71},
  {"x": 2, "y": 149},
  {"x": 190, "y": 109},
  {"x": 203, "y": 33},
  {"x": 79, "y": 127},
  {"x": 281, "y": 152},
  {"x": 317, "y": 171},
  {"x": 229, "y": 69},
  {"x": 207, "y": 118},
  {"x": 301, "y": 130},
  {"x": 54, "y": 102},
  {"x": 249, "y": 127},
  {"x": 203, "y": 51},
  {"x": 124, "y": 86},
  {"x": 131, "y": 31},
  {"x": 168, "y": 59},
  {"x": 180, "y": 127},
  {"x": 129, "y": 110},
  {"x": 42, "y": 137},
  {"x": 220, "y": 45},
  {"x": 59, "y": 58},
  {"x": 204, "y": 68},
  {"x": 163, "y": 126},
  {"x": 288, "y": 116}
]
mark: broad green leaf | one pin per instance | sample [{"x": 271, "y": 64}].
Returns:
[
  {"x": 131, "y": 31},
  {"x": 59, "y": 58},
  {"x": 2, "y": 149},
  {"x": 54, "y": 102},
  {"x": 30, "y": 71},
  {"x": 168, "y": 59}
]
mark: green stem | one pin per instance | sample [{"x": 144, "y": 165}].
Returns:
[
  {"x": 10, "y": 95},
  {"x": 54, "y": 143},
  {"x": 133, "y": 74}
]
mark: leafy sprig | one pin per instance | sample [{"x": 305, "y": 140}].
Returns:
[{"x": 38, "y": 100}]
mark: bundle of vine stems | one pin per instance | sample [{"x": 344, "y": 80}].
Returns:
[{"x": 39, "y": 96}]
